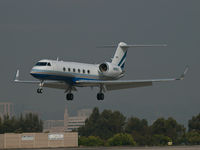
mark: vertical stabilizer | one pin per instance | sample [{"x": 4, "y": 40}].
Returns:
[{"x": 120, "y": 55}]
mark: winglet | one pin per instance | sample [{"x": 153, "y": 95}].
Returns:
[
  {"x": 17, "y": 76},
  {"x": 184, "y": 73}
]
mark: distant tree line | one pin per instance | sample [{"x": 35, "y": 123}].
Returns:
[
  {"x": 24, "y": 123},
  {"x": 112, "y": 128}
]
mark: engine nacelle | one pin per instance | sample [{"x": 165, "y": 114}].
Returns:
[{"x": 110, "y": 70}]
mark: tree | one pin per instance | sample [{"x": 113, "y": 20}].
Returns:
[
  {"x": 110, "y": 123},
  {"x": 90, "y": 124},
  {"x": 194, "y": 123},
  {"x": 193, "y": 138},
  {"x": 103, "y": 125},
  {"x": 169, "y": 128},
  {"x": 1, "y": 129},
  {"x": 138, "y": 129},
  {"x": 28, "y": 123},
  {"x": 160, "y": 140},
  {"x": 121, "y": 139},
  {"x": 9, "y": 124},
  {"x": 90, "y": 141},
  {"x": 135, "y": 124}
]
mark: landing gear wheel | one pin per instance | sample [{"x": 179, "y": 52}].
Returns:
[
  {"x": 39, "y": 90},
  {"x": 70, "y": 96},
  {"x": 100, "y": 96}
]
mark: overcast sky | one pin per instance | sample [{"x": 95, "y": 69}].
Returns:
[{"x": 71, "y": 30}]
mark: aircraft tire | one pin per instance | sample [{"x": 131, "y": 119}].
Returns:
[
  {"x": 39, "y": 91},
  {"x": 69, "y": 96},
  {"x": 100, "y": 96}
]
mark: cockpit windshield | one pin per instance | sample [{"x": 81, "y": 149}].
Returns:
[{"x": 43, "y": 64}]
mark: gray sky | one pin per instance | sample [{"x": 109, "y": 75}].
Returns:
[{"x": 71, "y": 30}]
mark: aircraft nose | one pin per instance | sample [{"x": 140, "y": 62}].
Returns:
[{"x": 32, "y": 71}]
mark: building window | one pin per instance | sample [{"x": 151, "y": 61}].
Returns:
[
  {"x": 83, "y": 71},
  {"x": 64, "y": 69},
  {"x": 79, "y": 70},
  {"x": 88, "y": 71},
  {"x": 69, "y": 69},
  {"x": 74, "y": 70}
]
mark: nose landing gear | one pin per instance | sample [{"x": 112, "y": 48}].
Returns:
[{"x": 39, "y": 90}]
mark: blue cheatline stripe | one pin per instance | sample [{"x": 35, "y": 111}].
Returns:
[
  {"x": 70, "y": 80},
  {"x": 122, "y": 58},
  {"x": 123, "y": 65}
]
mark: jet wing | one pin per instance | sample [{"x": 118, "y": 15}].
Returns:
[
  {"x": 125, "y": 84},
  {"x": 49, "y": 84}
]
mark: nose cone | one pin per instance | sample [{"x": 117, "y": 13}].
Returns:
[{"x": 32, "y": 72}]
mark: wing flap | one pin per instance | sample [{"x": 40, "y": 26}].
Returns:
[
  {"x": 56, "y": 85},
  {"x": 118, "y": 86},
  {"x": 115, "y": 85}
]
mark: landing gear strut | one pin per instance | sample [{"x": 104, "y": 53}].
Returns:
[
  {"x": 100, "y": 96},
  {"x": 39, "y": 90},
  {"x": 69, "y": 96}
]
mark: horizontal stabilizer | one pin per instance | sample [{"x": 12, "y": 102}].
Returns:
[{"x": 134, "y": 45}]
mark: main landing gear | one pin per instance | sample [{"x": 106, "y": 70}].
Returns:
[
  {"x": 100, "y": 96},
  {"x": 69, "y": 96}
]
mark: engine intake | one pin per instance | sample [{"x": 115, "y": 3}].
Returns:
[
  {"x": 108, "y": 69},
  {"x": 103, "y": 67}
]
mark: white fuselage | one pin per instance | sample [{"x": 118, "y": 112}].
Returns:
[{"x": 69, "y": 72}]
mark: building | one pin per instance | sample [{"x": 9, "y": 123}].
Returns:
[
  {"x": 77, "y": 121},
  {"x": 38, "y": 140},
  {"x": 6, "y": 108},
  {"x": 69, "y": 123},
  {"x": 54, "y": 126}
]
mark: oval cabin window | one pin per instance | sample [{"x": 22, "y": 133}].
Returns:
[{"x": 64, "y": 69}]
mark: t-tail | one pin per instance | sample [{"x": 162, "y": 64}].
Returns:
[{"x": 121, "y": 53}]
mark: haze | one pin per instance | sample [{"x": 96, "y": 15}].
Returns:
[{"x": 72, "y": 29}]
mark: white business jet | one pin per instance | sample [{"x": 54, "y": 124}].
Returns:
[{"x": 70, "y": 75}]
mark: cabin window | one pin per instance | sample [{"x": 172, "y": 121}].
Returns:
[
  {"x": 48, "y": 64},
  {"x": 74, "y": 70},
  {"x": 79, "y": 70},
  {"x": 64, "y": 69},
  {"x": 69, "y": 69},
  {"x": 83, "y": 71},
  {"x": 88, "y": 71}
]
